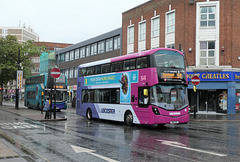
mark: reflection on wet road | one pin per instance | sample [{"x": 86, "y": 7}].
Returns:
[{"x": 79, "y": 139}]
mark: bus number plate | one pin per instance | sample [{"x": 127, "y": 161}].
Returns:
[{"x": 174, "y": 122}]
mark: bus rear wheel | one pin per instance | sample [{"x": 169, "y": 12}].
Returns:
[
  {"x": 89, "y": 114},
  {"x": 128, "y": 120}
]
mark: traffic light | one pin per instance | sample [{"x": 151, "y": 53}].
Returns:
[{"x": 42, "y": 93}]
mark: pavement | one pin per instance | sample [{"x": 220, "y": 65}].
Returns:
[
  {"x": 9, "y": 154},
  {"x": 7, "y": 151}
]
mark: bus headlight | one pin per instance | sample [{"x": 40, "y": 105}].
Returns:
[{"x": 155, "y": 111}]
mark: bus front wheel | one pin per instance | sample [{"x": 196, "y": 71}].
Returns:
[
  {"x": 128, "y": 120},
  {"x": 89, "y": 114}
]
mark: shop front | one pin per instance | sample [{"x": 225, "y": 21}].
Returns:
[{"x": 217, "y": 92}]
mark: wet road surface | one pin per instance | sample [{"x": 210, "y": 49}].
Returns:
[{"x": 79, "y": 139}]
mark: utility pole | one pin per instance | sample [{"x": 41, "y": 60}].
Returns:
[{"x": 17, "y": 90}]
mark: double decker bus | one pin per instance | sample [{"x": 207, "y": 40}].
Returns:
[
  {"x": 148, "y": 87},
  {"x": 36, "y": 91}
]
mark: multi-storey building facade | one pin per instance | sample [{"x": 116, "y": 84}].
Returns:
[
  {"x": 207, "y": 31},
  {"x": 101, "y": 47},
  {"x": 23, "y": 34}
]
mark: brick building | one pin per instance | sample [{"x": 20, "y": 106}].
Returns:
[
  {"x": 207, "y": 31},
  {"x": 101, "y": 47}
]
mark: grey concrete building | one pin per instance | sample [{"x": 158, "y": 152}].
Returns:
[{"x": 104, "y": 46}]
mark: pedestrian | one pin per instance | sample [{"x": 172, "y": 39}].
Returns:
[{"x": 46, "y": 108}]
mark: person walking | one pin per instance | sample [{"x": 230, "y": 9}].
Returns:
[{"x": 46, "y": 108}]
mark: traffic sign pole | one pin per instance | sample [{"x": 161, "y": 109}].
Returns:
[
  {"x": 195, "y": 81},
  {"x": 55, "y": 73}
]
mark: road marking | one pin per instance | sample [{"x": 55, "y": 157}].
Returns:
[
  {"x": 180, "y": 157},
  {"x": 78, "y": 149},
  {"x": 17, "y": 125},
  {"x": 180, "y": 145}
]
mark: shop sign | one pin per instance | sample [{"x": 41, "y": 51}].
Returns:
[
  {"x": 74, "y": 87},
  {"x": 237, "y": 106},
  {"x": 215, "y": 76}
]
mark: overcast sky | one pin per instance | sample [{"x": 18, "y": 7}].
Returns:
[{"x": 66, "y": 21}]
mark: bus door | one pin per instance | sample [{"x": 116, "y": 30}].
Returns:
[
  {"x": 143, "y": 97},
  {"x": 143, "y": 110}
]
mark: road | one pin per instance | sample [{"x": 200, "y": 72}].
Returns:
[{"x": 78, "y": 139}]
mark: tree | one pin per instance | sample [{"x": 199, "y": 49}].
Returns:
[{"x": 12, "y": 56}]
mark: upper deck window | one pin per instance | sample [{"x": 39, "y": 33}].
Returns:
[
  {"x": 142, "y": 62},
  {"x": 129, "y": 64},
  {"x": 170, "y": 59},
  {"x": 106, "y": 68}
]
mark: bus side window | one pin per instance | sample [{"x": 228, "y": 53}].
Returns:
[
  {"x": 143, "y": 97},
  {"x": 91, "y": 70},
  {"x": 82, "y": 72},
  {"x": 85, "y": 96},
  {"x": 106, "y": 68},
  {"x": 98, "y": 69},
  {"x": 129, "y": 64},
  {"x": 142, "y": 62},
  {"x": 116, "y": 66}
]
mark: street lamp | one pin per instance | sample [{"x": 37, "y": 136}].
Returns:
[{"x": 17, "y": 90}]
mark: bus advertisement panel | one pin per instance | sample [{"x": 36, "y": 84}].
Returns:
[{"x": 142, "y": 88}]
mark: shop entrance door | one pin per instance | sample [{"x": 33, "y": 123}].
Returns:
[{"x": 207, "y": 100}]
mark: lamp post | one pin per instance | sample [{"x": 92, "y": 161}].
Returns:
[{"x": 17, "y": 90}]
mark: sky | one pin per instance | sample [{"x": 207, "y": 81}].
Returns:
[{"x": 65, "y": 21}]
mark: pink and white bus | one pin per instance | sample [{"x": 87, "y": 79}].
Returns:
[{"x": 148, "y": 87}]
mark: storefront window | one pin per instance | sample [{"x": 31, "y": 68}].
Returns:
[
  {"x": 222, "y": 100},
  {"x": 237, "y": 103}
]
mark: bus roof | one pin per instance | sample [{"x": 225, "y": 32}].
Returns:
[{"x": 125, "y": 57}]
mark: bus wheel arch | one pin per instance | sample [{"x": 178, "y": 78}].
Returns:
[
  {"x": 128, "y": 118},
  {"x": 89, "y": 114}
]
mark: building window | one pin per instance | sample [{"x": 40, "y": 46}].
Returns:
[
  {"x": 142, "y": 31},
  {"x": 171, "y": 22},
  {"x": 117, "y": 42},
  {"x": 101, "y": 47},
  {"x": 67, "y": 56},
  {"x": 75, "y": 72},
  {"x": 66, "y": 72},
  {"x": 82, "y": 52},
  {"x": 131, "y": 35},
  {"x": 171, "y": 46},
  {"x": 35, "y": 59},
  {"x": 71, "y": 55},
  {"x": 109, "y": 45},
  {"x": 71, "y": 73},
  {"x": 62, "y": 57},
  {"x": 76, "y": 54},
  {"x": 35, "y": 70},
  {"x": 94, "y": 49},
  {"x": 207, "y": 16},
  {"x": 207, "y": 53},
  {"x": 88, "y": 51},
  {"x": 155, "y": 27},
  {"x": 63, "y": 72}
]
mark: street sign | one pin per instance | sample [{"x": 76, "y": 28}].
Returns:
[
  {"x": 195, "y": 80},
  {"x": 19, "y": 79},
  {"x": 55, "y": 73}
]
